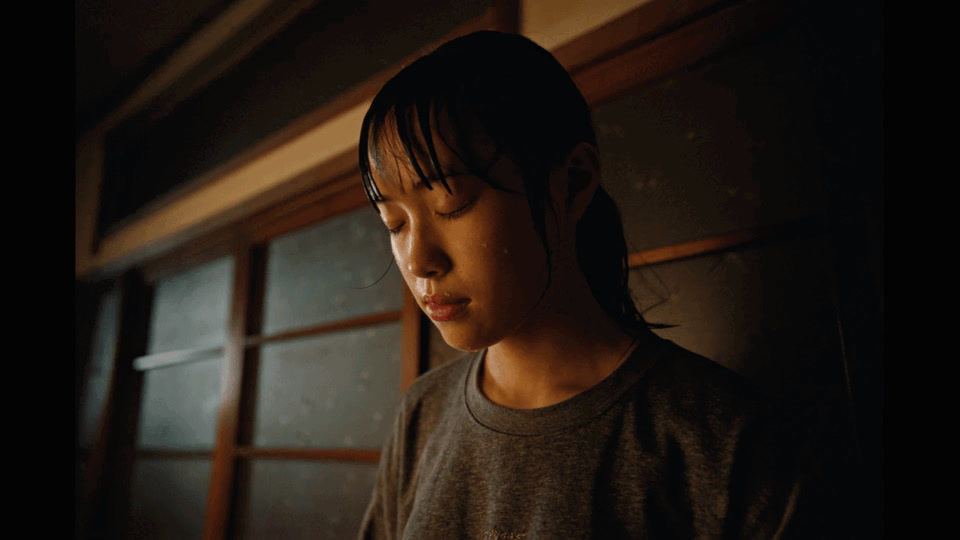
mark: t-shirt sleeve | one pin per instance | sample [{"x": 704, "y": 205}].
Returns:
[
  {"x": 381, "y": 519},
  {"x": 776, "y": 491},
  {"x": 766, "y": 483}
]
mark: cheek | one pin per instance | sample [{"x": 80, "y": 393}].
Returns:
[
  {"x": 514, "y": 260},
  {"x": 520, "y": 245},
  {"x": 400, "y": 258}
]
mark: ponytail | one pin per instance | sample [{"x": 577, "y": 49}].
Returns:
[{"x": 602, "y": 256}]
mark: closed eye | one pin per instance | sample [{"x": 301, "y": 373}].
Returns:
[
  {"x": 442, "y": 215},
  {"x": 457, "y": 212}
]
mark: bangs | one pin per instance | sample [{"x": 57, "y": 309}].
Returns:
[
  {"x": 407, "y": 115},
  {"x": 484, "y": 95},
  {"x": 401, "y": 132}
]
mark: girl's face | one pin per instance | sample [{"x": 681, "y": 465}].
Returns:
[{"x": 471, "y": 258}]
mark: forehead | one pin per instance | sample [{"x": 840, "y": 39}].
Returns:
[
  {"x": 393, "y": 168},
  {"x": 395, "y": 152},
  {"x": 389, "y": 136},
  {"x": 455, "y": 130},
  {"x": 388, "y": 149}
]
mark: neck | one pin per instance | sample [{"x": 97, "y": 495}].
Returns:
[{"x": 567, "y": 345}]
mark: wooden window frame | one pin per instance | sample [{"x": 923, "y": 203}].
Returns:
[{"x": 649, "y": 42}]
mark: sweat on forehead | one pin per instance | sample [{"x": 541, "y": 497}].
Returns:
[
  {"x": 389, "y": 147},
  {"x": 401, "y": 149}
]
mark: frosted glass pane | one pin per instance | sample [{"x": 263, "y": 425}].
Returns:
[
  {"x": 723, "y": 147},
  {"x": 168, "y": 498},
  {"x": 336, "y": 390},
  {"x": 99, "y": 369},
  {"x": 315, "y": 275},
  {"x": 302, "y": 499},
  {"x": 191, "y": 309},
  {"x": 765, "y": 312},
  {"x": 179, "y": 405}
]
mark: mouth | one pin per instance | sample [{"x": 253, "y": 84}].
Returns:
[{"x": 442, "y": 309}]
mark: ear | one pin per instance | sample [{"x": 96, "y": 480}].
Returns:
[{"x": 575, "y": 182}]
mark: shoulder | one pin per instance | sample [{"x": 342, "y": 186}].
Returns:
[
  {"x": 435, "y": 391},
  {"x": 687, "y": 388},
  {"x": 690, "y": 373}
]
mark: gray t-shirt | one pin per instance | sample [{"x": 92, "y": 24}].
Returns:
[{"x": 670, "y": 445}]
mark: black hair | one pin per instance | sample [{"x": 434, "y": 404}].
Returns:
[{"x": 513, "y": 92}]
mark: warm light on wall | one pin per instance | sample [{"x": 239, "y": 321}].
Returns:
[{"x": 552, "y": 23}]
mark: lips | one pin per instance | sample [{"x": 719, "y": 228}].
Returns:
[{"x": 444, "y": 308}]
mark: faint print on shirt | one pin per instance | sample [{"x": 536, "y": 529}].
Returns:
[{"x": 499, "y": 535}]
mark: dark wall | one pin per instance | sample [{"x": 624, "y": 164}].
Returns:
[{"x": 847, "y": 42}]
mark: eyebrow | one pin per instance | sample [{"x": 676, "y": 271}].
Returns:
[{"x": 418, "y": 185}]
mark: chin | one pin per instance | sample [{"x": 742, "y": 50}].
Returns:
[{"x": 463, "y": 337}]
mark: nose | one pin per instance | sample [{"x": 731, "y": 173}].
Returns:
[{"x": 425, "y": 256}]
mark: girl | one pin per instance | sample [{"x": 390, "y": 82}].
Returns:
[{"x": 570, "y": 418}]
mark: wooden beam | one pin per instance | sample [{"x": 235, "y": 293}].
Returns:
[
  {"x": 250, "y": 391},
  {"x": 224, "y": 456},
  {"x": 319, "y": 454},
  {"x": 106, "y": 484},
  {"x": 88, "y": 184},
  {"x": 232, "y": 51},
  {"x": 344, "y": 195},
  {"x": 725, "y": 242},
  {"x": 202, "y": 249},
  {"x": 314, "y": 195},
  {"x": 678, "y": 49},
  {"x": 171, "y": 453},
  {"x": 356, "y": 322},
  {"x": 242, "y": 15},
  {"x": 641, "y": 24},
  {"x": 173, "y": 358}
]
